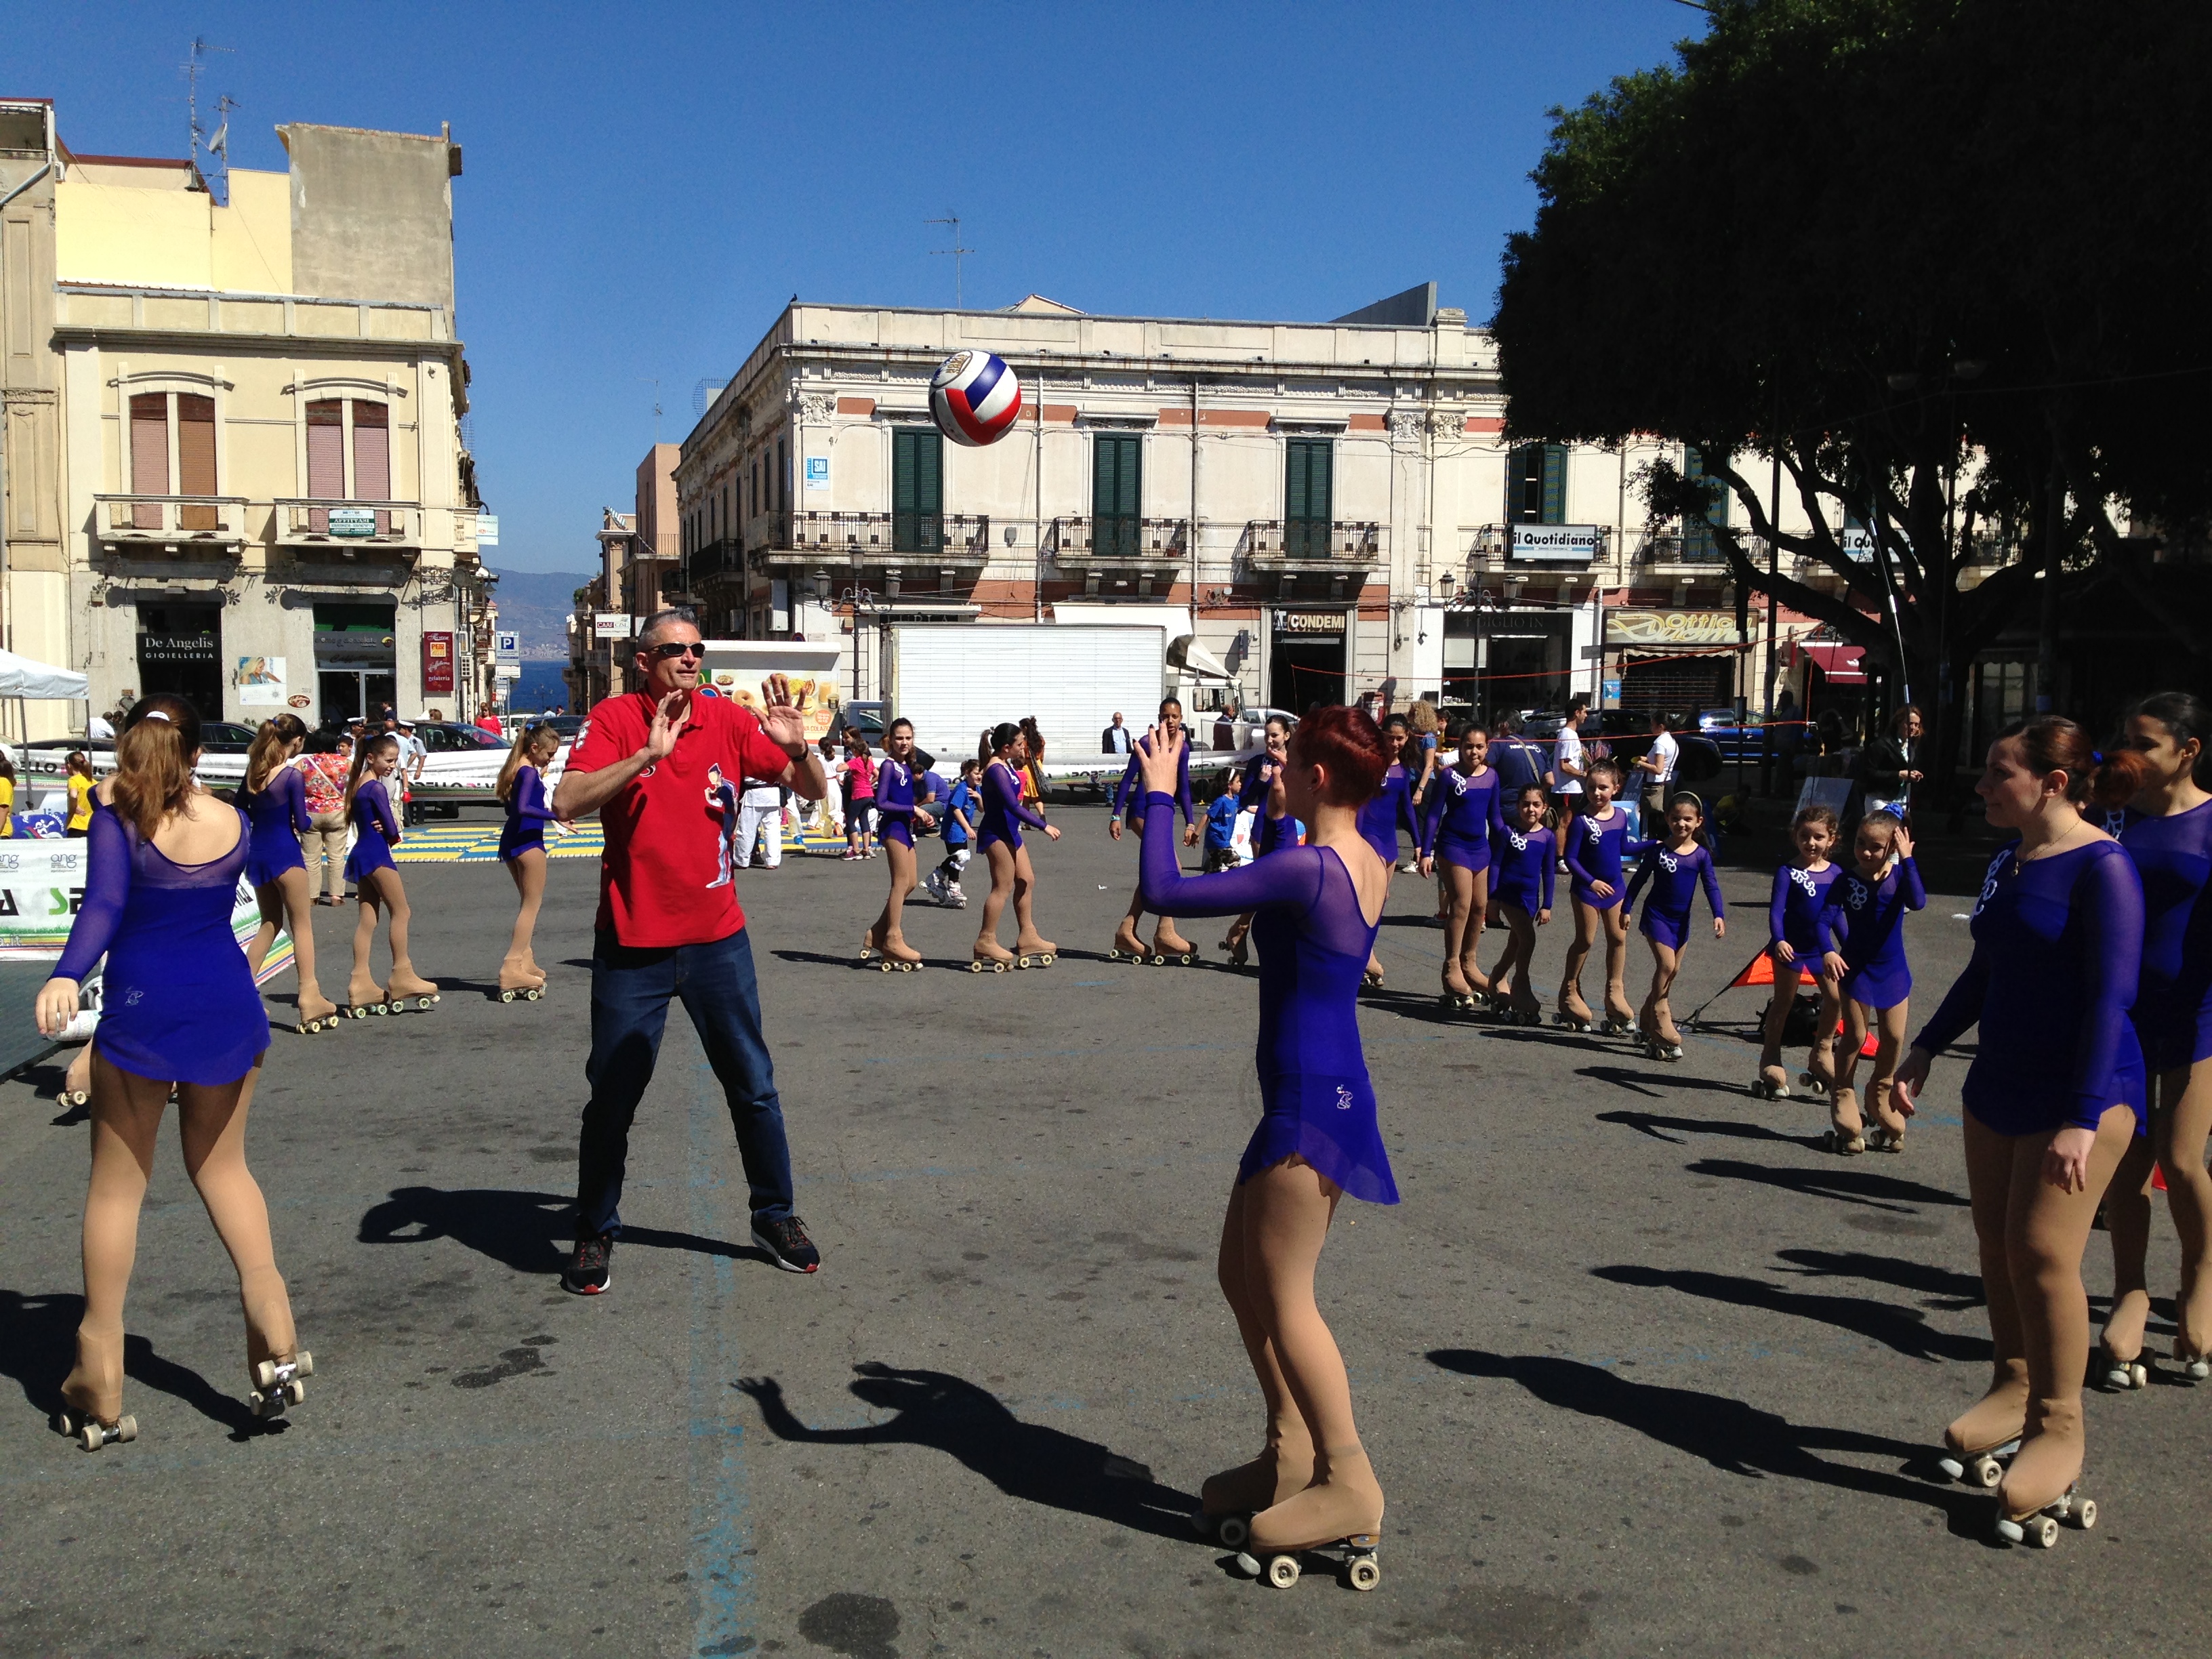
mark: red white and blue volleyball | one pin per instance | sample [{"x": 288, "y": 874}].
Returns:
[{"x": 974, "y": 399}]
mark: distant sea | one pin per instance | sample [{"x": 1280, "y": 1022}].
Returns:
[{"x": 540, "y": 688}]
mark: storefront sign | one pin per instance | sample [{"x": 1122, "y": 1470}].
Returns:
[
  {"x": 176, "y": 648},
  {"x": 817, "y": 472},
  {"x": 1660, "y": 629},
  {"x": 487, "y": 529},
  {"x": 610, "y": 625},
  {"x": 1856, "y": 542},
  {"x": 353, "y": 521},
  {"x": 1309, "y": 622},
  {"x": 260, "y": 682},
  {"x": 437, "y": 665},
  {"x": 1554, "y": 543}
]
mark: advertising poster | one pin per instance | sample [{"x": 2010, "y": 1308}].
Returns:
[
  {"x": 260, "y": 682},
  {"x": 437, "y": 665},
  {"x": 817, "y": 699}
]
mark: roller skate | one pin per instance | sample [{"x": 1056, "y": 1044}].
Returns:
[
  {"x": 1819, "y": 1072},
  {"x": 1976, "y": 1445},
  {"x": 1846, "y": 1130},
  {"x": 1523, "y": 1008},
  {"x": 898, "y": 957},
  {"x": 1229, "y": 1500},
  {"x": 1339, "y": 1517},
  {"x": 77, "y": 1082},
  {"x": 991, "y": 957},
  {"x": 1169, "y": 946},
  {"x": 1234, "y": 948},
  {"x": 933, "y": 884},
  {"x": 2123, "y": 1332},
  {"x": 1460, "y": 997},
  {"x": 1662, "y": 1041},
  {"x": 870, "y": 950},
  {"x": 2043, "y": 1487},
  {"x": 2195, "y": 1366},
  {"x": 1772, "y": 1083},
  {"x": 96, "y": 1380},
  {"x": 1035, "y": 953},
  {"x": 407, "y": 988},
  {"x": 277, "y": 1383},
  {"x": 316, "y": 1011},
  {"x": 1887, "y": 1134},
  {"x": 1573, "y": 1014},
  {"x": 364, "y": 998},
  {"x": 1126, "y": 946},
  {"x": 518, "y": 984}
]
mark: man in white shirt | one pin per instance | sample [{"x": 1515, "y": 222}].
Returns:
[
  {"x": 413, "y": 753},
  {"x": 1569, "y": 767},
  {"x": 760, "y": 807},
  {"x": 1114, "y": 740},
  {"x": 1657, "y": 767}
]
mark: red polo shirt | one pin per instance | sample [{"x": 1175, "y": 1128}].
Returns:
[{"x": 665, "y": 879}]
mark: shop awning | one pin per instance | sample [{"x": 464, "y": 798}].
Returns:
[{"x": 1841, "y": 664}]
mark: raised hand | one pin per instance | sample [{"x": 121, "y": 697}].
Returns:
[
  {"x": 667, "y": 725},
  {"x": 1162, "y": 761},
  {"x": 780, "y": 716}
]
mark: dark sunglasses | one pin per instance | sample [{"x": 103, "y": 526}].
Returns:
[{"x": 679, "y": 648}]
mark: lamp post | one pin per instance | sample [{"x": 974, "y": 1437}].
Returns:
[{"x": 856, "y": 595}]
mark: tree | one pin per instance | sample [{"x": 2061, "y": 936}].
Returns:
[{"x": 1913, "y": 249}]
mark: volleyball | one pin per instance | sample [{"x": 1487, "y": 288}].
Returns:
[{"x": 973, "y": 397}]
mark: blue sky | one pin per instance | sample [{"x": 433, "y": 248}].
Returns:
[{"x": 646, "y": 186}]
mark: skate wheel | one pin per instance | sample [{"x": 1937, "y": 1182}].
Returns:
[
  {"x": 2042, "y": 1532},
  {"x": 884, "y": 966},
  {"x": 1283, "y": 1571},
  {"x": 2010, "y": 1530},
  {"x": 2085, "y": 1512},
  {"x": 533, "y": 995},
  {"x": 126, "y": 1428},
  {"x": 423, "y": 1004},
  {"x": 1986, "y": 1471},
  {"x": 1046, "y": 960},
  {"x": 1363, "y": 1574},
  {"x": 2197, "y": 1370},
  {"x": 1233, "y": 1532},
  {"x": 304, "y": 1365},
  {"x": 1113, "y": 955},
  {"x": 509, "y": 996},
  {"x": 2139, "y": 1375},
  {"x": 906, "y": 966},
  {"x": 1187, "y": 959},
  {"x": 294, "y": 1392},
  {"x": 1952, "y": 1468},
  {"x": 1247, "y": 1566},
  {"x": 91, "y": 1437},
  {"x": 265, "y": 1376},
  {"x": 975, "y": 967}
]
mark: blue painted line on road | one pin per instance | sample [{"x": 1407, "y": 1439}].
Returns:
[{"x": 722, "y": 1530}]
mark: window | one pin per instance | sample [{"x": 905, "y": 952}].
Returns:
[
  {"x": 917, "y": 489},
  {"x": 154, "y": 415},
  {"x": 1116, "y": 492},
  {"x": 1698, "y": 542},
  {"x": 1307, "y": 498},
  {"x": 1536, "y": 484},
  {"x": 330, "y": 478}
]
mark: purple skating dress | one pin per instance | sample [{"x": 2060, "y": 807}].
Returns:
[
  {"x": 1314, "y": 946},
  {"x": 1003, "y": 812},
  {"x": 278, "y": 813},
  {"x": 1464, "y": 808},
  {"x": 527, "y": 815},
  {"x": 1674, "y": 877},
  {"x": 1595, "y": 850},
  {"x": 374, "y": 832},
  {"x": 2173, "y": 1008},
  {"x": 1391, "y": 808},
  {"x": 1793, "y": 913},
  {"x": 1867, "y": 918},
  {"x": 895, "y": 802},
  {"x": 177, "y": 1002}
]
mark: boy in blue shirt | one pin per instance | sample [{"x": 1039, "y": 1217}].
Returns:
[
  {"x": 961, "y": 809},
  {"x": 1221, "y": 824}
]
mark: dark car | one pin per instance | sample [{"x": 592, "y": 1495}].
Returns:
[
  {"x": 451, "y": 737},
  {"x": 225, "y": 738}
]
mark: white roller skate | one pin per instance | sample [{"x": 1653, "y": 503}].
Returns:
[
  {"x": 1354, "y": 1558},
  {"x": 2040, "y": 1528},
  {"x": 90, "y": 1432},
  {"x": 277, "y": 1383}
]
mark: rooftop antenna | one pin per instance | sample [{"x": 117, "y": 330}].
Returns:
[
  {"x": 220, "y": 144},
  {"x": 649, "y": 381},
  {"x": 956, "y": 250},
  {"x": 193, "y": 68}
]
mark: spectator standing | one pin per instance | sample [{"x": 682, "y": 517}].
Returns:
[
  {"x": 79, "y": 783},
  {"x": 760, "y": 812},
  {"x": 1569, "y": 767},
  {"x": 412, "y": 753},
  {"x": 1221, "y": 824},
  {"x": 1421, "y": 767},
  {"x": 489, "y": 721},
  {"x": 1886, "y": 768},
  {"x": 1114, "y": 740},
  {"x": 859, "y": 792},
  {"x": 670, "y": 926},
  {"x": 7, "y": 796},
  {"x": 323, "y": 769},
  {"x": 1520, "y": 763},
  {"x": 1656, "y": 768}
]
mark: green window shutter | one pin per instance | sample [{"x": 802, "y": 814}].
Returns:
[
  {"x": 1116, "y": 491},
  {"x": 1524, "y": 484},
  {"x": 1307, "y": 492},
  {"x": 917, "y": 489},
  {"x": 1696, "y": 536},
  {"x": 1555, "y": 483}
]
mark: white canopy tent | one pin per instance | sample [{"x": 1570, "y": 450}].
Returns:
[{"x": 22, "y": 678}]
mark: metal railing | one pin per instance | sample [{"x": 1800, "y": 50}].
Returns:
[
  {"x": 1119, "y": 537},
  {"x": 879, "y": 535},
  {"x": 1354, "y": 542},
  {"x": 138, "y": 518},
  {"x": 316, "y": 521}
]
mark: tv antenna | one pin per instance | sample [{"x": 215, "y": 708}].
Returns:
[
  {"x": 958, "y": 252},
  {"x": 651, "y": 381},
  {"x": 194, "y": 66}
]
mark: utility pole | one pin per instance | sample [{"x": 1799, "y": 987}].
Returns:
[{"x": 958, "y": 255}]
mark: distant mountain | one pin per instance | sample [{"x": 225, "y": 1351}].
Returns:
[{"x": 536, "y": 604}]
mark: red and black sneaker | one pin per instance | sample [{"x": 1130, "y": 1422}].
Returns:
[
  {"x": 587, "y": 1273},
  {"x": 784, "y": 1238}
]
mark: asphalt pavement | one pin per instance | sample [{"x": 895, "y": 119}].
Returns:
[{"x": 1643, "y": 1371}]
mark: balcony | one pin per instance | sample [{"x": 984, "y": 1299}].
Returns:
[
  {"x": 347, "y": 526},
  {"x": 178, "y": 525},
  {"x": 1300, "y": 545},
  {"x": 1697, "y": 555},
  {"x": 1121, "y": 541},
  {"x": 949, "y": 539},
  {"x": 723, "y": 557}
]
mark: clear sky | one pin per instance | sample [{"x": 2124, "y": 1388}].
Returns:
[{"x": 646, "y": 185}]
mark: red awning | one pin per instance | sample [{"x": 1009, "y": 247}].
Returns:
[{"x": 1840, "y": 663}]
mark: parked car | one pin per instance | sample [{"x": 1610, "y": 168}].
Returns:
[{"x": 450, "y": 737}]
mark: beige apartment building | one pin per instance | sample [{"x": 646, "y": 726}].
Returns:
[
  {"x": 1334, "y": 506},
  {"x": 235, "y": 468}
]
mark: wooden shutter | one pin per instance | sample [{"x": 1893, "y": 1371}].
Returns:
[
  {"x": 1306, "y": 498},
  {"x": 917, "y": 489},
  {"x": 1524, "y": 484},
  {"x": 149, "y": 456},
  {"x": 1554, "y": 485},
  {"x": 325, "y": 460},
  {"x": 1116, "y": 492},
  {"x": 372, "y": 458},
  {"x": 195, "y": 458}
]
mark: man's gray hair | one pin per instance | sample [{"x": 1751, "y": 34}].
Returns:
[{"x": 665, "y": 618}]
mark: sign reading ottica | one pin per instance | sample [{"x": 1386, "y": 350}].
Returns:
[
  {"x": 1553, "y": 543},
  {"x": 1665, "y": 627}
]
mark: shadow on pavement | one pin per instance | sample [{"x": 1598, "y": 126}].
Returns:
[
  {"x": 1848, "y": 1185},
  {"x": 1903, "y": 1330},
  {"x": 1651, "y": 1123},
  {"x": 1026, "y": 1460},
  {"x": 1733, "y": 1437},
  {"x": 527, "y": 1231},
  {"x": 1959, "y": 1291},
  {"x": 38, "y": 1346}
]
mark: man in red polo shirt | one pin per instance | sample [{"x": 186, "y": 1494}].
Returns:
[{"x": 657, "y": 764}]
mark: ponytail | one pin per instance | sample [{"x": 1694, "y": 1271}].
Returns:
[
  {"x": 2051, "y": 742},
  {"x": 384, "y": 743},
  {"x": 154, "y": 761},
  {"x": 525, "y": 743},
  {"x": 276, "y": 734}
]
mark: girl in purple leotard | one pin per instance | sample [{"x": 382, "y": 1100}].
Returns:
[
  {"x": 1862, "y": 933},
  {"x": 520, "y": 788},
  {"x": 2168, "y": 834},
  {"x": 1317, "y": 910},
  {"x": 1523, "y": 854},
  {"x": 1596, "y": 845},
  {"x": 1000, "y": 838},
  {"x": 1462, "y": 810},
  {"x": 897, "y": 815},
  {"x": 1168, "y": 944},
  {"x": 375, "y": 878},
  {"x": 1389, "y": 810},
  {"x": 1273, "y": 827},
  {"x": 1675, "y": 870},
  {"x": 2055, "y": 1093},
  {"x": 275, "y": 798},
  {"x": 181, "y": 1013},
  {"x": 1793, "y": 917}
]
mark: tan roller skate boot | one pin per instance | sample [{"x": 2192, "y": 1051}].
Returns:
[
  {"x": 517, "y": 982},
  {"x": 2043, "y": 1486},
  {"x": 408, "y": 989},
  {"x": 1846, "y": 1129},
  {"x": 1035, "y": 950},
  {"x": 1340, "y": 1515},
  {"x": 991, "y": 957},
  {"x": 1573, "y": 1014},
  {"x": 275, "y": 1365},
  {"x": 316, "y": 1011},
  {"x": 1819, "y": 1072},
  {"x": 1229, "y": 1500},
  {"x": 1887, "y": 1134},
  {"x": 364, "y": 997},
  {"x": 91, "y": 1398},
  {"x": 1169, "y": 946},
  {"x": 1458, "y": 995},
  {"x": 1990, "y": 1429},
  {"x": 2118, "y": 1363},
  {"x": 1126, "y": 946}
]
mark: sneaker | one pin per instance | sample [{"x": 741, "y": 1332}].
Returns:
[
  {"x": 587, "y": 1273},
  {"x": 784, "y": 1238}
]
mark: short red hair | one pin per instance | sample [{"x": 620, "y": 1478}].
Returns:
[{"x": 1351, "y": 746}]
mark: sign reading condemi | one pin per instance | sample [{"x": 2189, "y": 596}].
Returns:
[
  {"x": 1566, "y": 544},
  {"x": 1309, "y": 622},
  {"x": 1662, "y": 628}
]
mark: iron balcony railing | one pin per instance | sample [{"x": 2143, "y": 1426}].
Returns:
[
  {"x": 868, "y": 536},
  {"x": 1316, "y": 540},
  {"x": 1115, "y": 536}
]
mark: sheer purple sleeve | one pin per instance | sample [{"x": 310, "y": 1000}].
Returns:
[
  {"x": 1910, "y": 886},
  {"x": 2108, "y": 898},
  {"x": 106, "y": 886},
  {"x": 1291, "y": 876},
  {"x": 293, "y": 787},
  {"x": 1551, "y": 865},
  {"x": 530, "y": 795},
  {"x": 380, "y": 804},
  {"x": 1008, "y": 794},
  {"x": 1636, "y": 885},
  {"x": 894, "y": 792},
  {"x": 1778, "y": 907},
  {"x": 1182, "y": 781},
  {"x": 1574, "y": 858},
  {"x": 1710, "y": 875},
  {"x": 1432, "y": 818},
  {"x": 1130, "y": 773},
  {"x": 1832, "y": 912}
]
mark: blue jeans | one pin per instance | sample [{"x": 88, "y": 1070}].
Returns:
[{"x": 630, "y": 991}]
